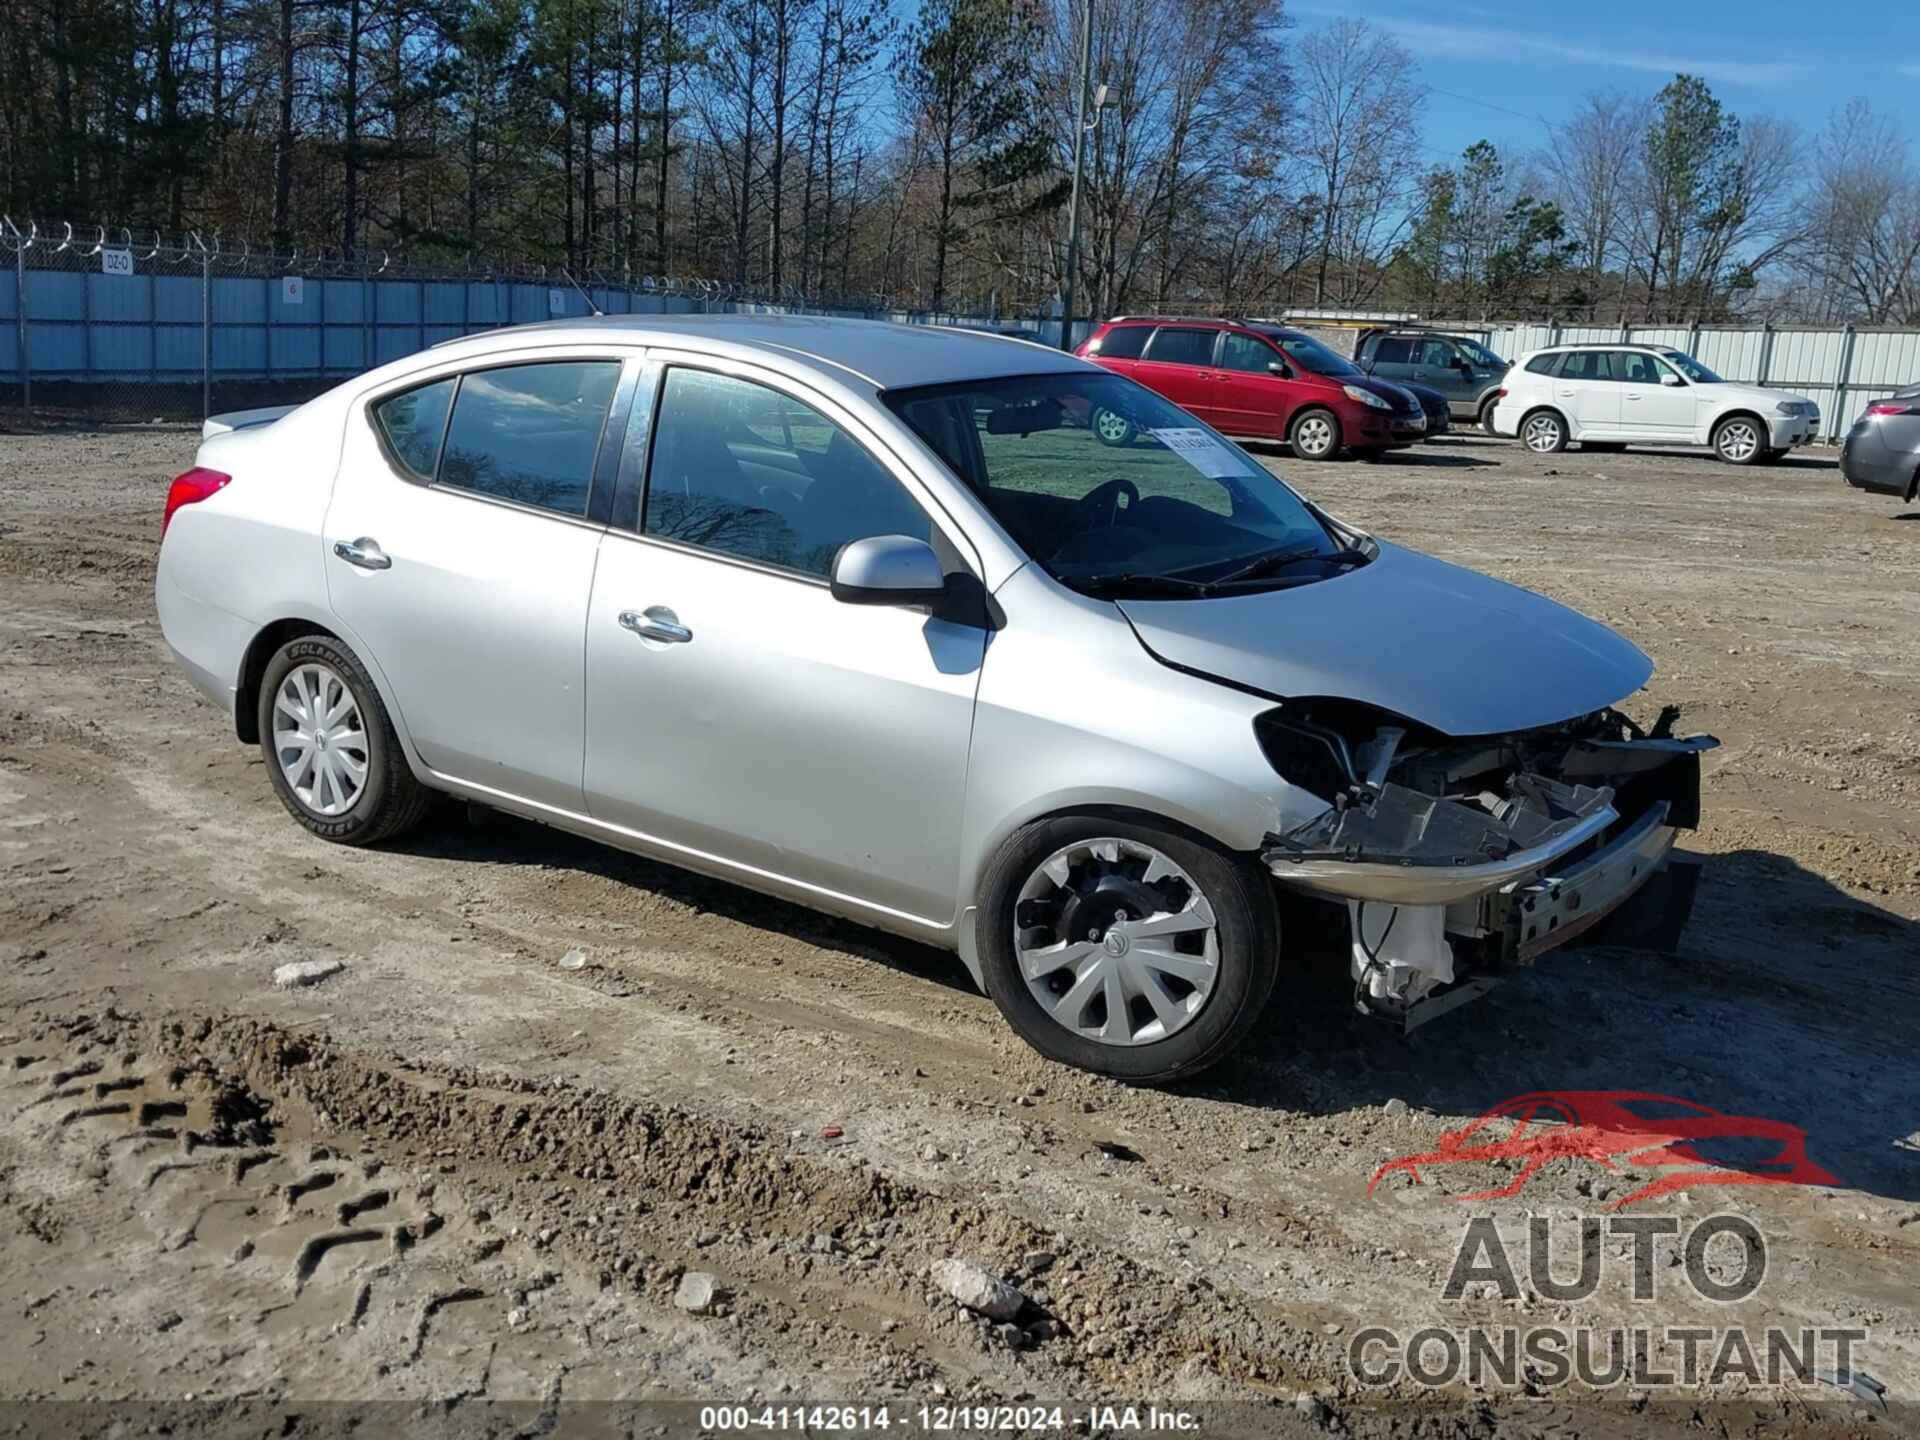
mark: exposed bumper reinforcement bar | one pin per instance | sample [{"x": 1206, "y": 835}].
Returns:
[
  {"x": 1410, "y": 884},
  {"x": 1552, "y": 909}
]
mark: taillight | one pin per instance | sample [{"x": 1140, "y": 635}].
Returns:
[
  {"x": 1893, "y": 407},
  {"x": 1499, "y": 395},
  {"x": 190, "y": 489}
]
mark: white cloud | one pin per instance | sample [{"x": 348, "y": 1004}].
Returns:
[{"x": 1492, "y": 42}]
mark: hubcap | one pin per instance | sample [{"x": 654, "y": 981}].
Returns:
[
  {"x": 319, "y": 739},
  {"x": 1112, "y": 426},
  {"x": 1738, "y": 441},
  {"x": 1315, "y": 434},
  {"x": 1542, "y": 433},
  {"x": 1116, "y": 942}
]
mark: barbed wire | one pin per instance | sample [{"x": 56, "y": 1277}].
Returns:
[{"x": 52, "y": 244}]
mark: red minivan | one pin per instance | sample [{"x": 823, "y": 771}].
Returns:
[{"x": 1258, "y": 382}]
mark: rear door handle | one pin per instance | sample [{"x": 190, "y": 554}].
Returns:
[
  {"x": 364, "y": 552},
  {"x": 656, "y": 622}
]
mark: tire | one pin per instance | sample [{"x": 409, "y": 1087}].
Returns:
[
  {"x": 1155, "y": 1041},
  {"x": 387, "y": 799},
  {"x": 1485, "y": 418},
  {"x": 1315, "y": 434},
  {"x": 1739, "y": 439},
  {"x": 1110, "y": 427},
  {"x": 1544, "y": 432}
]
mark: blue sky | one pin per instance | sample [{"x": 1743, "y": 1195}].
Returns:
[{"x": 1538, "y": 59}]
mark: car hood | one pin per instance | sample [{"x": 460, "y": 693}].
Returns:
[
  {"x": 1395, "y": 394},
  {"x": 1432, "y": 642},
  {"x": 1746, "y": 394}
]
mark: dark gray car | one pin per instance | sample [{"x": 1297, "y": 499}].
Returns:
[
  {"x": 1882, "y": 451},
  {"x": 1462, "y": 369}
]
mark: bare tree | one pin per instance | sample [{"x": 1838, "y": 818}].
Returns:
[
  {"x": 1359, "y": 107},
  {"x": 1592, "y": 167},
  {"x": 1862, "y": 253}
]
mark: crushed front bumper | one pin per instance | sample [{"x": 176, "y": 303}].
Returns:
[{"x": 1436, "y": 913}]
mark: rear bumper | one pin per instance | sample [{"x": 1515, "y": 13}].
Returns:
[{"x": 1886, "y": 473}]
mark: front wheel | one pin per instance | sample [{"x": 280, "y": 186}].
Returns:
[
  {"x": 1314, "y": 435},
  {"x": 1126, "y": 949},
  {"x": 1544, "y": 433},
  {"x": 331, "y": 750},
  {"x": 1110, "y": 427},
  {"x": 1739, "y": 440}
]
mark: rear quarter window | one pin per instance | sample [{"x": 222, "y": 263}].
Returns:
[
  {"x": 413, "y": 423},
  {"x": 1123, "y": 342},
  {"x": 1544, "y": 364}
]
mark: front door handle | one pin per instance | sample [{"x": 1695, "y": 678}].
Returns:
[
  {"x": 656, "y": 622},
  {"x": 364, "y": 552}
]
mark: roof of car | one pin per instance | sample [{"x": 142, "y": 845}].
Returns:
[
  {"x": 1605, "y": 345},
  {"x": 887, "y": 355}
]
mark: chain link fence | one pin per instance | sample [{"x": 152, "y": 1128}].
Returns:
[{"x": 99, "y": 324}]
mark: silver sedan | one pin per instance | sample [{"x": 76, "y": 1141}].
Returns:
[{"x": 865, "y": 616}]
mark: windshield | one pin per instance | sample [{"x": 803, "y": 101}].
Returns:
[
  {"x": 1312, "y": 354},
  {"x": 1478, "y": 353},
  {"x": 1111, "y": 488},
  {"x": 1690, "y": 367}
]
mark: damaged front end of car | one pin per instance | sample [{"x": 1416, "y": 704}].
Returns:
[{"x": 1457, "y": 859}]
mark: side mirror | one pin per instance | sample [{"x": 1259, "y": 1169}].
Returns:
[
  {"x": 1672, "y": 380},
  {"x": 888, "y": 570},
  {"x": 1280, "y": 368}
]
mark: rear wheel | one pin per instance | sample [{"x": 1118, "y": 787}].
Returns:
[
  {"x": 1314, "y": 435},
  {"x": 1544, "y": 432},
  {"x": 1110, "y": 427},
  {"x": 1126, "y": 949},
  {"x": 332, "y": 753},
  {"x": 1739, "y": 439},
  {"x": 1486, "y": 416}
]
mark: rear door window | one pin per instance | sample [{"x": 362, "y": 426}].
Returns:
[
  {"x": 1175, "y": 346},
  {"x": 1587, "y": 365},
  {"x": 530, "y": 433},
  {"x": 1123, "y": 342},
  {"x": 1393, "y": 350}
]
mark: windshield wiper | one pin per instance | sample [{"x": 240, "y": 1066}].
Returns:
[
  {"x": 1276, "y": 559},
  {"x": 1107, "y": 582}
]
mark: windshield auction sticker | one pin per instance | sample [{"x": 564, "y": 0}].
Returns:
[{"x": 1202, "y": 451}]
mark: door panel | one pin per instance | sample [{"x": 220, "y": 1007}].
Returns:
[
  {"x": 738, "y": 711},
  {"x": 476, "y": 617},
  {"x": 1649, "y": 407},
  {"x": 815, "y": 741},
  {"x": 1586, "y": 391},
  {"x": 1177, "y": 364},
  {"x": 1437, "y": 363},
  {"x": 1248, "y": 399}
]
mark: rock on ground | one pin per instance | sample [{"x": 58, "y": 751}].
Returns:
[
  {"x": 305, "y": 972},
  {"x": 699, "y": 1293},
  {"x": 978, "y": 1289}
]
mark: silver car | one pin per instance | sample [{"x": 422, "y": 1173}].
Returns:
[{"x": 867, "y": 617}]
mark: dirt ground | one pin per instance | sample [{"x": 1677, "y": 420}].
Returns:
[{"x": 458, "y": 1174}]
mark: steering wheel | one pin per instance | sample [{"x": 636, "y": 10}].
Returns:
[{"x": 1109, "y": 494}]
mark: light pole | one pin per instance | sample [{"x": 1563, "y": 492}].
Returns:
[{"x": 1080, "y": 128}]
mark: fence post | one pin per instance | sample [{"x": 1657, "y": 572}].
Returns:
[
  {"x": 20, "y": 244},
  {"x": 1766, "y": 351},
  {"x": 206, "y": 332},
  {"x": 1841, "y": 375}
]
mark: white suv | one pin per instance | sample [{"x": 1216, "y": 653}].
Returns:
[{"x": 1611, "y": 395}]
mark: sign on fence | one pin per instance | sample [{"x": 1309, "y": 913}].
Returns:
[
  {"x": 116, "y": 262},
  {"x": 293, "y": 290},
  {"x": 556, "y": 302}
]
